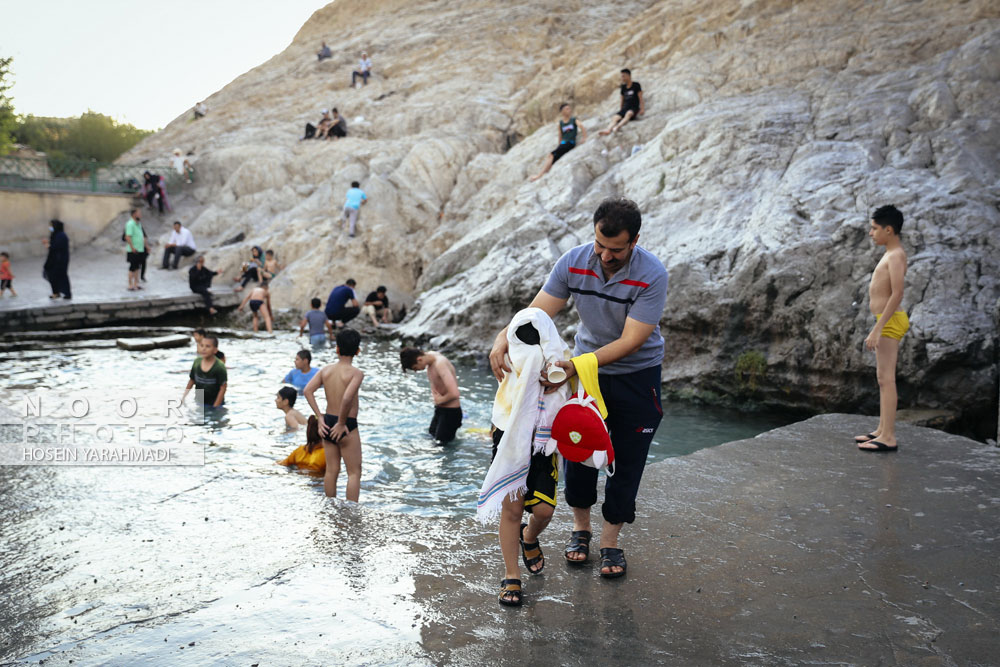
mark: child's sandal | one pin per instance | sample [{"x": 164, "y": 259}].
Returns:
[
  {"x": 510, "y": 592},
  {"x": 532, "y": 554}
]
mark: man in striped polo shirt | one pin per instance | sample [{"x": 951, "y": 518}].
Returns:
[{"x": 620, "y": 291}]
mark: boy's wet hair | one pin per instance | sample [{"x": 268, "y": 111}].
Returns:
[
  {"x": 304, "y": 354},
  {"x": 615, "y": 215},
  {"x": 408, "y": 357},
  {"x": 888, "y": 216},
  {"x": 214, "y": 340},
  {"x": 312, "y": 434},
  {"x": 219, "y": 354},
  {"x": 289, "y": 394},
  {"x": 199, "y": 332},
  {"x": 316, "y": 303},
  {"x": 348, "y": 342},
  {"x": 355, "y": 184}
]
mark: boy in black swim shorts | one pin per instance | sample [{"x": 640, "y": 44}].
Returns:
[
  {"x": 444, "y": 390},
  {"x": 338, "y": 427},
  {"x": 259, "y": 299}
]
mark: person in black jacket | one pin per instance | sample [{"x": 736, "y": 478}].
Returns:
[
  {"x": 200, "y": 279},
  {"x": 56, "y": 269}
]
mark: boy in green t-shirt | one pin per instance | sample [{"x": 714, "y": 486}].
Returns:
[{"x": 208, "y": 373}]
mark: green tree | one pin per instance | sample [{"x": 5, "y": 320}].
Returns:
[
  {"x": 92, "y": 136},
  {"x": 8, "y": 122}
]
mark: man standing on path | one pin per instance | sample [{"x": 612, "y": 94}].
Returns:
[
  {"x": 632, "y": 103},
  {"x": 180, "y": 244},
  {"x": 136, "y": 247},
  {"x": 444, "y": 390},
  {"x": 356, "y": 198},
  {"x": 885, "y": 295},
  {"x": 620, "y": 290},
  {"x": 337, "y": 309}
]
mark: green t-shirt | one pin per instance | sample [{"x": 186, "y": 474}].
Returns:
[
  {"x": 134, "y": 229},
  {"x": 211, "y": 382}
]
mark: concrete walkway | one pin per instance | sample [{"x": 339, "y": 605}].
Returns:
[
  {"x": 790, "y": 548},
  {"x": 99, "y": 282}
]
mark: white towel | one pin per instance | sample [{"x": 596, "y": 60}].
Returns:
[{"x": 522, "y": 411}]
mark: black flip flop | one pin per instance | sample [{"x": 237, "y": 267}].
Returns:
[
  {"x": 579, "y": 543},
  {"x": 611, "y": 557},
  {"x": 510, "y": 592},
  {"x": 534, "y": 548},
  {"x": 865, "y": 438},
  {"x": 879, "y": 446}
]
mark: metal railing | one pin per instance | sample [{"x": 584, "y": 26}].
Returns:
[{"x": 74, "y": 175}]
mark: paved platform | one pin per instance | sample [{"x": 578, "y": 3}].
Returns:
[
  {"x": 786, "y": 549},
  {"x": 100, "y": 294}
]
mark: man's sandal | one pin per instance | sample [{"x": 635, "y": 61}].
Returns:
[
  {"x": 611, "y": 557},
  {"x": 579, "y": 543},
  {"x": 510, "y": 592},
  {"x": 532, "y": 554}
]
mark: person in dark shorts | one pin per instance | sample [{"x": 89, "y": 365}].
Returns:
[
  {"x": 259, "y": 299},
  {"x": 632, "y": 103},
  {"x": 342, "y": 304},
  {"x": 567, "y": 130},
  {"x": 620, "y": 290},
  {"x": 444, "y": 390},
  {"x": 338, "y": 426}
]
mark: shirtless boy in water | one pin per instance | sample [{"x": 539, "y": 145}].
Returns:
[
  {"x": 339, "y": 426},
  {"x": 444, "y": 390},
  {"x": 885, "y": 294},
  {"x": 260, "y": 305}
]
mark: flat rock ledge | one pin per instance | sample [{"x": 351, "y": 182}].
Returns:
[
  {"x": 785, "y": 549},
  {"x": 70, "y": 315}
]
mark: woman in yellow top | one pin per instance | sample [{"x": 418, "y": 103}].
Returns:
[{"x": 309, "y": 456}]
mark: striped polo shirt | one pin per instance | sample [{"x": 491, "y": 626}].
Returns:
[{"x": 638, "y": 290}]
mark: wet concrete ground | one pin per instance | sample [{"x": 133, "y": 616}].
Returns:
[{"x": 789, "y": 548}]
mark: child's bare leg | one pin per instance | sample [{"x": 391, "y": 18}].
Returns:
[
  {"x": 538, "y": 519},
  {"x": 255, "y": 322},
  {"x": 545, "y": 168},
  {"x": 611, "y": 127},
  {"x": 267, "y": 318},
  {"x": 886, "y": 353},
  {"x": 510, "y": 536},
  {"x": 332, "y": 453},
  {"x": 350, "y": 449}
]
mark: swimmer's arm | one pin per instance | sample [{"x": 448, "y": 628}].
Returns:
[
  {"x": 187, "y": 389},
  {"x": 310, "y": 393},
  {"x": 222, "y": 395},
  {"x": 550, "y": 304},
  {"x": 246, "y": 298},
  {"x": 302, "y": 326}
]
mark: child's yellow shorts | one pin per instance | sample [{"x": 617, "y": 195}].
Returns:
[{"x": 897, "y": 325}]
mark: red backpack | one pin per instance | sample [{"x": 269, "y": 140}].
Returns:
[{"x": 581, "y": 435}]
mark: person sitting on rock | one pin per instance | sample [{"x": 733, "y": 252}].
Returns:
[
  {"x": 200, "y": 110},
  {"x": 377, "y": 306},
  {"x": 567, "y": 131},
  {"x": 180, "y": 244},
  {"x": 271, "y": 266},
  {"x": 182, "y": 165},
  {"x": 364, "y": 70},
  {"x": 632, "y": 103},
  {"x": 324, "y": 52},
  {"x": 251, "y": 270},
  {"x": 337, "y": 309},
  {"x": 313, "y": 131},
  {"x": 338, "y": 126},
  {"x": 200, "y": 281}
]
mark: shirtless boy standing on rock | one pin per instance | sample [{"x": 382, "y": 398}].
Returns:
[
  {"x": 444, "y": 390},
  {"x": 885, "y": 294}
]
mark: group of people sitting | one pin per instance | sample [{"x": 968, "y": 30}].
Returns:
[{"x": 331, "y": 125}]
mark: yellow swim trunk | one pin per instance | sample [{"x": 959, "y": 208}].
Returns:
[{"x": 897, "y": 325}]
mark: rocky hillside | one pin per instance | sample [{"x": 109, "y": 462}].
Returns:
[{"x": 773, "y": 128}]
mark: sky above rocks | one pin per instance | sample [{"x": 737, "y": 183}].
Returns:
[{"x": 142, "y": 63}]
